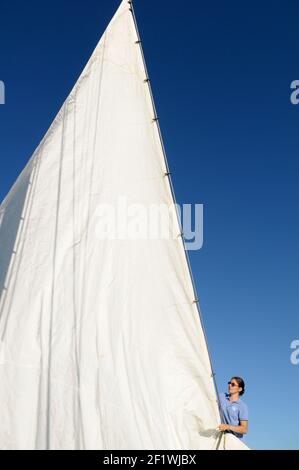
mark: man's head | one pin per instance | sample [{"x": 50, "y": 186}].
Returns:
[{"x": 236, "y": 385}]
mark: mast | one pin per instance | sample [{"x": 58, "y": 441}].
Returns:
[{"x": 168, "y": 175}]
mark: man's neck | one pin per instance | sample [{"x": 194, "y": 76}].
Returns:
[{"x": 233, "y": 397}]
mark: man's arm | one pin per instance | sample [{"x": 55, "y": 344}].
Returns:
[{"x": 242, "y": 429}]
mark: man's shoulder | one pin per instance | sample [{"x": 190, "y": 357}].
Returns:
[
  {"x": 243, "y": 409},
  {"x": 242, "y": 404}
]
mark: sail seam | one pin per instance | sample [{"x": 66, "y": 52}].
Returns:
[{"x": 64, "y": 118}]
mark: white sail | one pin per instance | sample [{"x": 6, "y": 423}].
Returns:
[
  {"x": 101, "y": 344},
  {"x": 230, "y": 442}
]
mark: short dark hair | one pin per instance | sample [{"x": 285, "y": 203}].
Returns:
[{"x": 241, "y": 383}]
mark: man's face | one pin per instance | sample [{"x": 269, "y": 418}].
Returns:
[{"x": 233, "y": 387}]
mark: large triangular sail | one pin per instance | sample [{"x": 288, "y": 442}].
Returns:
[{"x": 101, "y": 342}]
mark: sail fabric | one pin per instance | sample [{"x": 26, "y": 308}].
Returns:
[
  {"x": 230, "y": 442},
  {"x": 101, "y": 344}
]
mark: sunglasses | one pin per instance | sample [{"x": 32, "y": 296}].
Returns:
[{"x": 232, "y": 384}]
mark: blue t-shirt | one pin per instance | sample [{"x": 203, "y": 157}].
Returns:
[{"x": 233, "y": 412}]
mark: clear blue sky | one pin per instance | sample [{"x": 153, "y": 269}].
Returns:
[{"x": 221, "y": 74}]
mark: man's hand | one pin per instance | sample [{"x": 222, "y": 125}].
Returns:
[
  {"x": 224, "y": 427},
  {"x": 242, "y": 428}
]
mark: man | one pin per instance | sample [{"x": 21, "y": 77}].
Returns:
[{"x": 233, "y": 410}]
